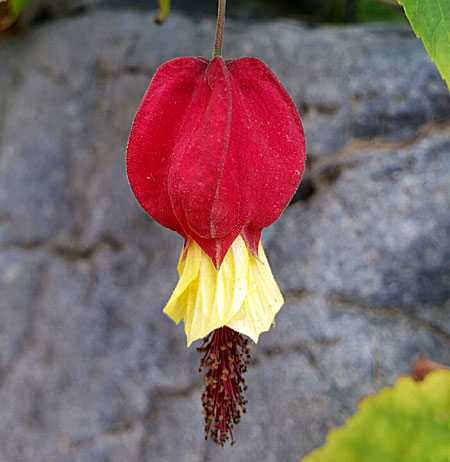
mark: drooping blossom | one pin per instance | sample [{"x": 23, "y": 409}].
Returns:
[{"x": 216, "y": 152}]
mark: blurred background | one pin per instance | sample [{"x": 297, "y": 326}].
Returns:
[
  {"x": 90, "y": 368},
  {"x": 312, "y": 11}
]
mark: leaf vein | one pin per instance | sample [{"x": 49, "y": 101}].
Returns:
[{"x": 443, "y": 20}]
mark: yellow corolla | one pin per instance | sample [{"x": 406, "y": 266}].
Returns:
[{"x": 242, "y": 294}]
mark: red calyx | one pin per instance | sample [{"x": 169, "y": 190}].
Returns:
[{"x": 217, "y": 149}]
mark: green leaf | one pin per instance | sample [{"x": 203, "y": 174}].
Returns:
[
  {"x": 430, "y": 20},
  {"x": 376, "y": 10},
  {"x": 164, "y": 10},
  {"x": 17, "y": 6},
  {"x": 409, "y": 422}
]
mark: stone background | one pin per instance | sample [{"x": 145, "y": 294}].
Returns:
[{"x": 90, "y": 368}]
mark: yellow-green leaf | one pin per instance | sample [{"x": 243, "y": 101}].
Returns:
[
  {"x": 409, "y": 422},
  {"x": 17, "y": 6},
  {"x": 430, "y": 20},
  {"x": 164, "y": 10}
]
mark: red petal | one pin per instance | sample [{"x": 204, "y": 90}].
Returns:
[
  {"x": 268, "y": 135},
  {"x": 252, "y": 236},
  {"x": 154, "y": 135},
  {"x": 201, "y": 158},
  {"x": 204, "y": 180}
]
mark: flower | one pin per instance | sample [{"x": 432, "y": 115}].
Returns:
[{"x": 216, "y": 152}]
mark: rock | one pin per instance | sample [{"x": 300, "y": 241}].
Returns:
[
  {"x": 383, "y": 238},
  {"x": 90, "y": 369}
]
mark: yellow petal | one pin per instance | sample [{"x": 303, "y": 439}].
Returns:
[
  {"x": 188, "y": 272},
  {"x": 263, "y": 300},
  {"x": 242, "y": 294}
]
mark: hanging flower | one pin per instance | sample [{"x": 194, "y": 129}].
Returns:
[{"x": 216, "y": 152}]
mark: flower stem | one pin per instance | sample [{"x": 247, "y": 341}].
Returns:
[{"x": 219, "y": 30}]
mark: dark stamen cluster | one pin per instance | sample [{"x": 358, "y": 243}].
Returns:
[{"x": 226, "y": 356}]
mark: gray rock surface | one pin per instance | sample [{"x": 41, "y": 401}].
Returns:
[{"x": 90, "y": 369}]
